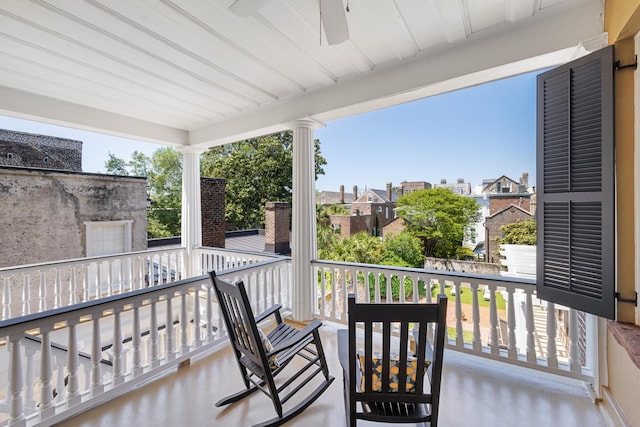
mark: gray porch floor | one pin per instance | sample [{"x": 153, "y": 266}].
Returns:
[{"x": 475, "y": 392}]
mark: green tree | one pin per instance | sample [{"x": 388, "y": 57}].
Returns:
[
  {"x": 116, "y": 165},
  {"x": 403, "y": 250},
  {"x": 164, "y": 186},
  {"x": 257, "y": 171},
  {"x": 518, "y": 233},
  {"x": 437, "y": 217}
]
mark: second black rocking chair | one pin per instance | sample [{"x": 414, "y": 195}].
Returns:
[{"x": 261, "y": 357}]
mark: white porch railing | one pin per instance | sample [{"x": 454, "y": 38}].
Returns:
[
  {"x": 495, "y": 317},
  {"x": 65, "y": 360},
  {"x": 36, "y": 288}
]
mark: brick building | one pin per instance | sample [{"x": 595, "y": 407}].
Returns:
[
  {"x": 22, "y": 149},
  {"x": 506, "y": 215},
  {"x": 212, "y": 192}
]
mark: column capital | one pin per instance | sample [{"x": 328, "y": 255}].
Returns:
[
  {"x": 306, "y": 123},
  {"x": 188, "y": 149}
]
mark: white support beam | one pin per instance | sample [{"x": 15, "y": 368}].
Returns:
[
  {"x": 527, "y": 47},
  {"x": 29, "y": 106}
]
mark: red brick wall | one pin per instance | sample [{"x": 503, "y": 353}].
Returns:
[
  {"x": 498, "y": 202},
  {"x": 492, "y": 229},
  {"x": 212, "y": 205}
]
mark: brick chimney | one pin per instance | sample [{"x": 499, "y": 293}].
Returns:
[
  {"x": 342, "y": 194},
  {"x": 276, "y": 223},
  {"x": 389, "y": 190},
  {"x": 213, "y": 212},
  {"x": 355, "y": 192}
]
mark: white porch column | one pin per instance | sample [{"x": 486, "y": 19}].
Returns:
[
  {"x": 191, "y": 209},
  {"x": 303, "y": 239}
]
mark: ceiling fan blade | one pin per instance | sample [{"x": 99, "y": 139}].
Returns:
[
  {"x": 247, "y": 7},
  {"x": 334, "y": 21}
]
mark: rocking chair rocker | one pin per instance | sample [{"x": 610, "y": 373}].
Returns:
[{"x": 261, "y": 357}]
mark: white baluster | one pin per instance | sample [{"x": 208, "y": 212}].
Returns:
[
  {"x": 334, "y": 293},
  {"x": 97, "y": 386},
  {"x": 512, "y": 350},
  {"x": 57, "y": 288},
  {"x": 574, "y": 349},
  {"x": 387, "y": 277},
  {"x": 323, "y": 290},
  {"x": 477, "y": 338},
  {"x": 73, "y": 365},
  {"x": 110, "y": 278},
  {"x": 136, "y": 340},
  {"x": 73, "y": 287},
  {"x": 26, "y": 294},
  {"x": 170, "y": 346},
  {"x": 552, "y": 354},
  {"x": 60, "y": 389},
  {"x": 118, "y": 356},
  {"x": 209, "y": 308},
  {"x": 98, "y": 279},
  {"x": 459, "y": 330},
  {"x": 184, "y": 323},
  {"x": 29, "y": 392},
  {"x": 43, "y": 291},
  {"x": 196, "y": 317},
  {"x": 47, "y": 408},
  {"x": 16, "y": 383},
  {"x": 493, "y": 320},
  {"x": 531, "y": 347},
  {"x": 153, "y": 335},
  {"x": 6, "y": 299},
  {"x": 85, "y": 283}
]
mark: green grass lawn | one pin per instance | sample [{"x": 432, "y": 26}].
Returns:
[
  {"x": 467, "y": 336},
  {"x": 466, "y": 297}
]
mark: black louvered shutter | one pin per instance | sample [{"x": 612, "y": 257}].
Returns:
[{"x": 576, "y": 187}]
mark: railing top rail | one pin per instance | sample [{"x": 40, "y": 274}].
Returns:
[
  {"x": 84, "y": 260},
  {"x": 241, "y": 252},
  {"x": 440, "y": 274},
  {"x": 257, "y": 265}
]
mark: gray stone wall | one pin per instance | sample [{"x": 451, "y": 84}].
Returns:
[
  {"x": 470, "y": 267},
  {"x": 43, "y": 212},
  {"x": 30, "y": 150}
]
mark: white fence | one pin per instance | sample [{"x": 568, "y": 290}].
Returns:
[
  {"x": 62, "y": 361},
  {"x": 489, "y": 316}
]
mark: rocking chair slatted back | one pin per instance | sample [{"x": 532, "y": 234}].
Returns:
[{"x": 383, "y": 376}]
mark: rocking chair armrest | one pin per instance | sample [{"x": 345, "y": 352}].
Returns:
[
  {"x": 296, "y": 338},
  {"x": 274, "y": 309}
]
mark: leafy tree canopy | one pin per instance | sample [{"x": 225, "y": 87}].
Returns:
[
  {"x": 164, "y": 178},
  {"x": 437, "y": 216},
  {"x": 257, "y": 171},
  {"x": 518, "y": 233},
  {"x": 403, "y": 250}
]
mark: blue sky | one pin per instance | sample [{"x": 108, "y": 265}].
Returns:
[
  {"x": 481, "y": 132},
  {"x": 476, "y": 133}
]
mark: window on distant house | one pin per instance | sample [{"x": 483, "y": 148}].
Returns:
[
  {"x": 46, "y": 160},
  {"x": 9, "y": 155},
  {"x": 369, "y": 197}
]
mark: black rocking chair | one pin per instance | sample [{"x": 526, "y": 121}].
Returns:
[
  {"x": 383, "y": 378},
  {"x": 261, "y": 357}
]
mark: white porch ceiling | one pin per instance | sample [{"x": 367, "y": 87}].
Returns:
[{"x": 191, "y": 72}]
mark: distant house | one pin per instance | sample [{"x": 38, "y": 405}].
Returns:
[
  {"x": 407, "y": 187},
  {"x": 506, "y": 215},
  {"x": 504, "y": 184},
  {"x": 327, "y": 198},
  {"x": 459, "y": 187},
  {"x": 379, "y": 205}
]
